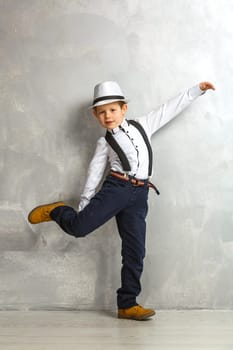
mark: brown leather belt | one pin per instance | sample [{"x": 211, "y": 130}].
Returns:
[{"x": 134, "y": 181}]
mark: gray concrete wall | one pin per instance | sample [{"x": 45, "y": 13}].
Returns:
[{"x": 52, "y": 53}]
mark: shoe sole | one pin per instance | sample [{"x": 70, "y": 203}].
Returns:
[{"x": 36, "y": 208}]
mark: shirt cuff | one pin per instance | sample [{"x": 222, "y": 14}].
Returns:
[
  {"x": 83, "y": 203},
  {"x": 195, "y": 92}
]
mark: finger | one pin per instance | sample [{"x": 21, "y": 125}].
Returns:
[
  {"x": 210, "y": 85},
  {"x": 205, "y": 85}
]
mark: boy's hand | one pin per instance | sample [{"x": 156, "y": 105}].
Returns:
[{"x": 205, "y": 85}]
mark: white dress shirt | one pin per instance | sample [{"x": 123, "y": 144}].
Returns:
[{"x": 132, "y": 143}]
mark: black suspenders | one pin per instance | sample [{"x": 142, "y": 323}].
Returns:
[
  {"x": 147, "y": 142},
  {"x": 119, "y": 151},
  {"x": 115, "y": 146}
]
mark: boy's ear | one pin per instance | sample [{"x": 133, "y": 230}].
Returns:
[{"x": 125, "y": 107}]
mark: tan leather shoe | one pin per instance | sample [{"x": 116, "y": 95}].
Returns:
[
  {"x": 136, "y": 312},
  {"x": 42, "y": 213}
]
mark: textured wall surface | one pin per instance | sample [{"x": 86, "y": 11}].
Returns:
[{"x": 52, "y": 53}]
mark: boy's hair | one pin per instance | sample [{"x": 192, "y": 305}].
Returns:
[{"x": 120, "y": 103}]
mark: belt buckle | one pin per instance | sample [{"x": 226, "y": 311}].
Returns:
[{"x": 135, "y": 182}]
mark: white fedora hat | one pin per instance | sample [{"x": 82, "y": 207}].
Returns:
[{"x": 107, "y": 92}]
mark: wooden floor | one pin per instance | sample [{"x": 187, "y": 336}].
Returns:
[{"x": 82, "y": 330}]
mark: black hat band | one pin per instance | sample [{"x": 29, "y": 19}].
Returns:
[{"x": 111, "y": 97}]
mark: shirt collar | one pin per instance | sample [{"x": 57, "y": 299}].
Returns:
[{"x": 123, "y": 125}]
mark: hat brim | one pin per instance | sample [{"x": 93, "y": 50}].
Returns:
[{"x": 105, "y": 102}]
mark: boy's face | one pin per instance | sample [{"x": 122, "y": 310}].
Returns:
[{"x": 111, "y": 115}]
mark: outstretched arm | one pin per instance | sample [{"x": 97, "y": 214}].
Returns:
[{"x": 159, "y": 117}]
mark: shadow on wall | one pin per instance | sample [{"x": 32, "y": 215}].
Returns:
[
  {"x": 81, "y": 134},
  {"x": 39, "y": 179},
  {"x": 83, "y": 130},
  {"x": 35, "y": 176}
]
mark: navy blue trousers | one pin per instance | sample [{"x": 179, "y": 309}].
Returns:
[{"x": 128, "y": 203}]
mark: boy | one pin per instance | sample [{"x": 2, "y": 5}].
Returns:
[{"x": 124, "y": 193}]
